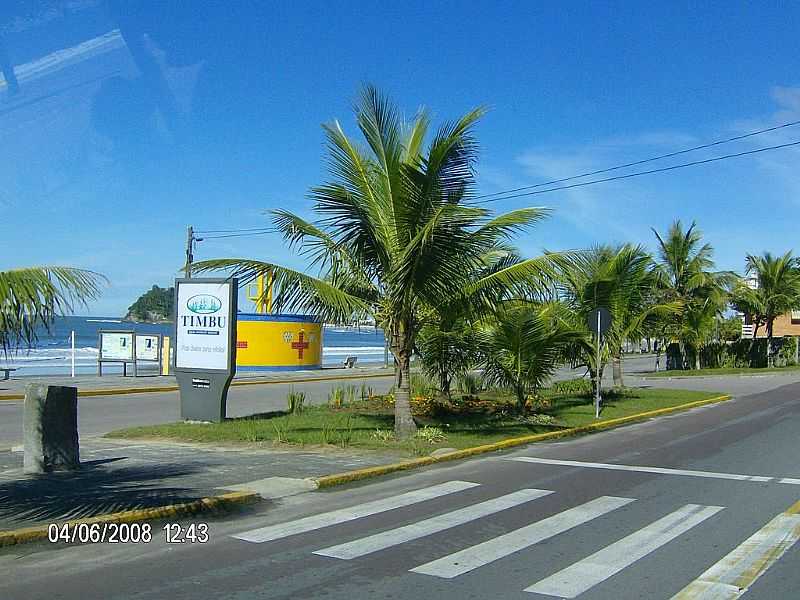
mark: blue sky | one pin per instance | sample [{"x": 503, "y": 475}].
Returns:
[{"x": 132, "y": 123}]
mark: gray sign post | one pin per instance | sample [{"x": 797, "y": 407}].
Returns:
[
  {"x": 205, "y": 345},
  {"x": 599, "y": 321}
]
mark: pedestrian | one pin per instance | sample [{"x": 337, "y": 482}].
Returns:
[{"x": 657, "y": 349}]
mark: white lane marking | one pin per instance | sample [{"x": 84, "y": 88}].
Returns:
[
  {"x": 584, "y": 574},
  {"x": 487, "y": 552},
  {"x": 657, "y": 470},
  {"x": 399, "y": 535},
  {"x": 735, "y": 573},
  {"x": 282, "y": 530}
]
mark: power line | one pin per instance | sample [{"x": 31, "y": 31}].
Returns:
[
  {"x": 231, "y": 235},
  {"x": 651, "y": 171},
  {"x": 204, "y": 231},
  {"x": 640, "y": 162}
]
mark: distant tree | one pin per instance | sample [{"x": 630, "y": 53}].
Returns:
[
  {"x": 619, "y": 279},
  {"x": 777, "y": 291},
  {"x": 31, "y": 298},
  {"x": 730, "y": 328},
  {"x": 685, "y": 275}
]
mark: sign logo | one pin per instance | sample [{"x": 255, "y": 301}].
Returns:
[{"x": 203, "y": 304}]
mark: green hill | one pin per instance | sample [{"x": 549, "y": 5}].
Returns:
[{"x": 154, "y": 305}]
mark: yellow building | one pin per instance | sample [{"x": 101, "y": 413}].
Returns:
[{"x": 267, "y": 342}]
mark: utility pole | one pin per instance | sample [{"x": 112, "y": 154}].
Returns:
[
  {"x": 190, "y": 240},
  {"x": 189, "y": 255}
]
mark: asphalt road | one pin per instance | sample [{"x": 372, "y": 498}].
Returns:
[{"x": 640, "y": 512}]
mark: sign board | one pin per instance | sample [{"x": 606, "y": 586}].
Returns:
[
  {"x": 600, "y": 319},
  {"x": 205, "y": 345},
  {"x": 205, "y": 336},
  {"x": 116, "y": 346},
  {"x": 148, "y": 347}
]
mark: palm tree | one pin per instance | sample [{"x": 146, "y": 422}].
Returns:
[
  {"x": 777, "y": 291},
  {"x": 522, "y": 347},
  {"x": 31, "y": 298},
  {"x": 447, "y": 346},
  {"x": 685, "y": 275},
  {"x": 619, "y": 279},
  {"x": 395, "y": 233}
]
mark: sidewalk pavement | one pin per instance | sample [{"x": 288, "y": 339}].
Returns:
[
  {"x": 118, "y": 475},
  {"x": 16, "y": 385}
]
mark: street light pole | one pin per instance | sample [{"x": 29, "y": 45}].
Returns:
[{"x": 597, "y": 370}]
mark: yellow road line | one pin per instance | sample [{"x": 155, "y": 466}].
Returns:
[
  {"x": 733, "y": 575},
  {"x": 39, "y": 532},
  {"x": 340, "y": 478}
]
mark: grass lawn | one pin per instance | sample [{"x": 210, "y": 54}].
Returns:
[
  {"x": 724, "y": 371},
  {"x": 367, "y": 424}
]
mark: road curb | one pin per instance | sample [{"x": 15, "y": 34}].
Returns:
[
  {"x": 367, "y": 473},
  {"x": 174, "y": 388},
  {"x": 32, "y": 534}
]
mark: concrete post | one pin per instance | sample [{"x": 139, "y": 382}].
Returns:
[{"x": 50, "y": 428}]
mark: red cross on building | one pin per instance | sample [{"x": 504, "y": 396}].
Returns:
[{"x": 300, "y": 345}]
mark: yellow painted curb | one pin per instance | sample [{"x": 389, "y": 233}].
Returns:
[
  {"x": 31, "y": 534},
  {"x": 347, "y": 477},
  {"x": 174, "y": 388}
]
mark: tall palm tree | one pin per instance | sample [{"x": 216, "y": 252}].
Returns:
[
  {"x": 522, "y": 347},
  {"x": 395, "y": 233},
  {"x": 777, "y": 291},
  {"x": 31, "y": 298},
  {"x": 686, "y": 275}
]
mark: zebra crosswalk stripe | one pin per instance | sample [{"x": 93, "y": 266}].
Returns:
[
  {"x": 482, "y": 554},
  {"x": 282, "y": 530},
  {"x": 586, "y": 573},
  {"x": 732, "y": 576},
  {"x": 399, "y": 535}
]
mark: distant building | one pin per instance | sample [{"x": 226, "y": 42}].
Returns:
[{"x": 785, "y": 325}]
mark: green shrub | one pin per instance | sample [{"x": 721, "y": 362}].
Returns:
[
  {"x": 295, "y": 401},
  {"x": 430, "y": 435},
  {"x": 422, "y": 386},
  {"x": 470, "y": 383},
  {"x": 579, "y": 386}
]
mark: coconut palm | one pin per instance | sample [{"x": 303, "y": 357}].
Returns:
[
  {"x": 447, "y": 346},
  {"x": 619, "y": 279},
  {"x": 395, "y": 233},
  {"x": 522, "y": 346},
  {"x": 777, "y": 291},
  {"x": 30, "y": 298},
  {"x": 685, "y": 275}
]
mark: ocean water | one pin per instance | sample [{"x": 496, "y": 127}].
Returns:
[{"x": 51, "y": 353}]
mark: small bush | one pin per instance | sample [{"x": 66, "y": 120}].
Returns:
[
  {"x": 540, "y": 419},
  {"x": 295, "y": 401},
  {"x": 382, "y": 435},
  {"x": 422, "y": 386},
  {"x": 430, "y": 435},
  {"x": 578, "y": 386},
  {"x": 470, "y": 383}
]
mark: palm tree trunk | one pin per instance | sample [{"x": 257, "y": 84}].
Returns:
[
  {"x": 769, "y": 343},
  {"x": 697, "y": 359},
  {"x": 616, "y": 367},
  {"x": 404, "y": 426}
]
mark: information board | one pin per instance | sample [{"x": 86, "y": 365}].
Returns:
[
  {"x": 116, "y": 345},
  {"x": 203, "y": 328},
  {"x": 147, "y": 347}
]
